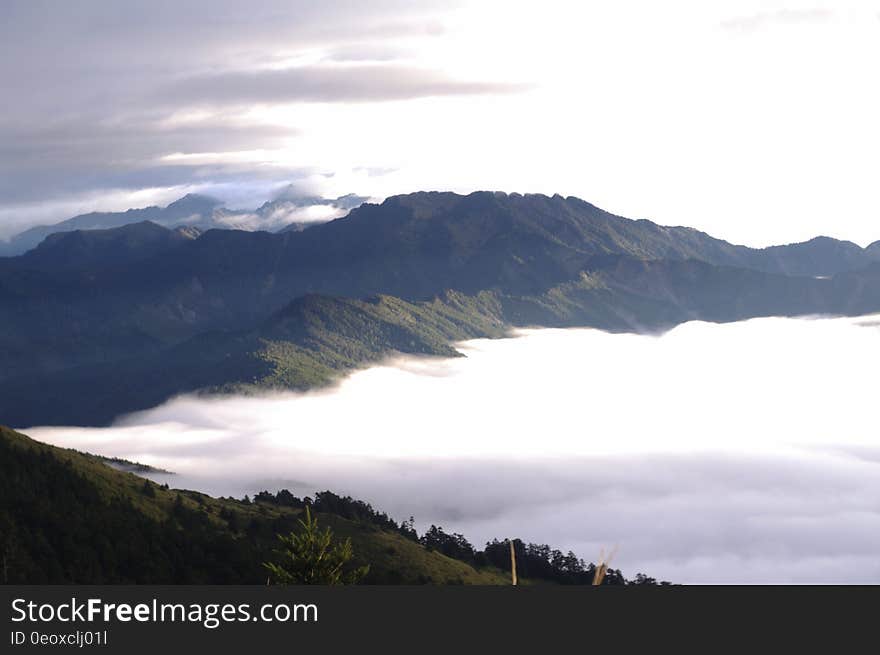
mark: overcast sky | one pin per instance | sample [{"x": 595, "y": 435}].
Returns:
[{"x": 756, "y": 121}]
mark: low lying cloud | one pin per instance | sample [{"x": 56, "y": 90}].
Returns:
[
  {"x": 280, "y": 215},
  {"x": 257, "y": 193},
  {"x": 742, "y": 452}
]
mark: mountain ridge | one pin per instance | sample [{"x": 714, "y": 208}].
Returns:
[
  {"x": 233, "y": 309},
  {"x": 191, "y": 210},
  {"x": 106, "y": 248}
]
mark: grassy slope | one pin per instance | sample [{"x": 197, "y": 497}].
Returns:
[
  {"x": 306, "y": 345},
  {"x": 315, "y": 337},
  {"x": 39, "y": 544}
]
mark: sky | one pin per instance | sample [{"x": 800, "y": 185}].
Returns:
[
  {"x": 731, "y": 453},
  {"x": 753, "y": 120}
]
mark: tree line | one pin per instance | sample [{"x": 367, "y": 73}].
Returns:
[{"x": 535, "y": 561}]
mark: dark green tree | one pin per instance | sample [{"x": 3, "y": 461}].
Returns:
[
  {"x": 147, "y": 489},
  {"x": 312, "y": 556}
]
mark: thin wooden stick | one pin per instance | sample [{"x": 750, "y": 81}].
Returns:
[{"x": 512, "y": 563}]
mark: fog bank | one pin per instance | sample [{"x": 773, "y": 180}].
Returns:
[{"x": 743, "y": 452}]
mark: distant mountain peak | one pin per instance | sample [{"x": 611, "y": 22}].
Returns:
[
  {"x": 130, "y": 229},
  {"x": 195, "y": 203},
  {"x": 105, "y": 248}
]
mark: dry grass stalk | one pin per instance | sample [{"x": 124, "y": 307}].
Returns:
[{"x": 602, "y": 566}]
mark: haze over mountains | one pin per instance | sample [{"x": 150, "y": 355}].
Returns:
[
  {"x": 149, "y": 310},
  {"x": 287, "y": 210}
]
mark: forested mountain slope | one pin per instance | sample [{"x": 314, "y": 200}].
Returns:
[{"x": 67, "y": 517}]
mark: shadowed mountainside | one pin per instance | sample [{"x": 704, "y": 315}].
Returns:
[
  {"x": 104, "y": 249},
  {"x": 316, "y": 338}
]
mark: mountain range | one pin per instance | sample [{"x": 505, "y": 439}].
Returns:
[
  {"x": 287, "y": 211},
  {"x": 96, "y": 323}
]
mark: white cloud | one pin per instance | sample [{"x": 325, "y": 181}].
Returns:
[
  {"x": 777, "y": 17},
  {"x": 716, "y": 453}
]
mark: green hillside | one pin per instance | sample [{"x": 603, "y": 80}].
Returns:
[
  {"x": 66, "y": 517},
  {"x": 71, "y": 518}
]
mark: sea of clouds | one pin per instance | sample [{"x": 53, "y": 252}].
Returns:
[{"x": 743, "y": 452}]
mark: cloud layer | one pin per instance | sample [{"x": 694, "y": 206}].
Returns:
[
  {"x": 364, "y": 83},
  {"x": 715, "y": 453}
]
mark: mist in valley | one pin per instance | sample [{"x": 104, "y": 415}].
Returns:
[{"x": 743, "y": 452}]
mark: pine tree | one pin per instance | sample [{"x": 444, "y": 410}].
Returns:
[
  {"x": 147, "y": 489},
  {"x": 311, "y": 556}
]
